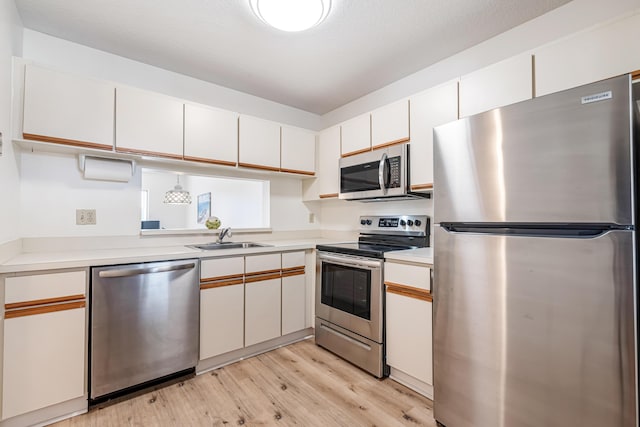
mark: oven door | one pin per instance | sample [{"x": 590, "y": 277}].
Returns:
[{"x": 349, "y": 293}]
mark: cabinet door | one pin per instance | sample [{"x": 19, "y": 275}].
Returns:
[
  {"x": 259, "y": 143},
  {"x": 294, "y": 295},
  {"x": 298, "y": 151},
  {"x": 497, "y": 85},
  {"x": 328, "y": 158},
  {"x": 148, "y": 123},
  {"x": 67, "y": 109},
  {"x": 589, "y": 56},
  {"x": 429, "y": 109},
  {"x": 390, "y": 124},
  {"x": 409, "y": 336},
  {"x": 210, "y": 135},
  {"x": 356, "y": 135},
  {"x": 221, "y": 319},
  {"x": 262, "y": 310}
]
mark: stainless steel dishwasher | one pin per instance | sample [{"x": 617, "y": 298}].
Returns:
[{"x": 144, "y": 324}]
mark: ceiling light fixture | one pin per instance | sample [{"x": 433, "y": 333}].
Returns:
[
  {"x": 291, "y": 15},
  {"x": 177, "y": 196}
]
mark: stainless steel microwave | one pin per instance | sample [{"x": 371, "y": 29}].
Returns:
[{"x": 377, "y": 175}]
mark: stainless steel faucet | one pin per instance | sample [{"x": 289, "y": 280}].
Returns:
[{"x": 224, "y": 232}]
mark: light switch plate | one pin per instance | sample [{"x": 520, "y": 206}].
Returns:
[{"x": 85, "y": 217}]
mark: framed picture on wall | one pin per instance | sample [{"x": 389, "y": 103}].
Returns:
[{"x": 204, "y": 207}]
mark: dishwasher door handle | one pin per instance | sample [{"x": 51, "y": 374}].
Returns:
[{"x": 126, "y": 272}]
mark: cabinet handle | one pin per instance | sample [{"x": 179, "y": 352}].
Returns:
[
  {"x": 409, "y": 291},
  {"x": 44, "y": 309},
  {"x": 47, "y": 301},
  {"x": 260, "y": 278},
  {"x": 220, "y": 284}
]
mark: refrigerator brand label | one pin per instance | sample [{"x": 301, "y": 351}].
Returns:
[{"x": 597, "y": 97}]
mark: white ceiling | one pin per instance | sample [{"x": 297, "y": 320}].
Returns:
[{"x": 362, "y": 46}]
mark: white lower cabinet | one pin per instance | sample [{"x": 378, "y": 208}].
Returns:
[
  {"x": 409, "y": 325},
  {"x": 262, "y": 311},
  {"x": 294, "y": 294},
  {"x": 44, "y": 341}
]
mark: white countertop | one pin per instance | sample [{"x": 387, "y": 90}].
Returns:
[
  {"x": 420, "y": 255},
  {"x": 86, "y": 258}
]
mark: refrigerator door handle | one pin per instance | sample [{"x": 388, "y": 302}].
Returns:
[{"x": 584, "y": 231}]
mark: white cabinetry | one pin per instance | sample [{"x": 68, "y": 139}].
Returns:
[
  {"x": 298, "y": 151},
  {"x": 497, "y": 85},
  {"x": 429, "y": 109},
  {"x": 44, "y": 341},
  {"x": 356, "y": 135},
  {"x": 589, "y": 56},
  {"x": 148, "y": 123},
  {"x": 294, "y": 295},
  {"x": 390, "y": 124},
  {"x": 210, "y": 135},
  {"x": 221, "y": 306},
  {"x": 328, "y": 182},
  {"x": 262, "y": 298},
  {"x": 409, "y": 325},
  {"x": 259, "y": 143},
  {"x": 67, "y": 109}
]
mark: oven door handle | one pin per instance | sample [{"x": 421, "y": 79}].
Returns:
[{"x": 352, "y": 262}]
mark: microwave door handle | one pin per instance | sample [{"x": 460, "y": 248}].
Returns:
[{"x": 382, "y": 173}]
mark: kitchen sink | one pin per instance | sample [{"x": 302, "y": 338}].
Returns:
[{"x": 227, "y": 245}]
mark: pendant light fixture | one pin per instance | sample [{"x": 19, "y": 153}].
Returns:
[
  {"x": 291, "y": 15},
  {"x": 177, "y": 196}
]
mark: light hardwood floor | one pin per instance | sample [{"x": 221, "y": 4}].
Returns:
[{"x": 298, "y": 385}]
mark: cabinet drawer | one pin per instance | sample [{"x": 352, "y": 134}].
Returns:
[
  {"x": 416, "y": 276},
  {"x": 293, "y": 259},
  {"x": 45, "y": 286},
  {"x": 221, "y": 268},
  {"x": 262, "y": 263}
]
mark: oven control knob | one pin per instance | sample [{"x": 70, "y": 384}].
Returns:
[
  {"x": 403, "y": 222},
  {"x": 363, "y": 222},
  {"x": 410, "y": 223},
  {"x": 418, "y": 223},
  {"x": 368, "y": 222}
]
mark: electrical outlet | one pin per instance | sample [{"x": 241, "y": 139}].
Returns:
[
  {"x": 0, "y": 144},
  {"x": 85, "y": 217}
]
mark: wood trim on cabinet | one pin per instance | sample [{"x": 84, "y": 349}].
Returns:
[
  {"x": 45, "y": 301},
  {"x": 219, "y": 278},
  {"x": 328, "y": 196},
  {"x": 298, "y": 267},
  {"x": 73, "y": 142},
  {"x": 353, "y": 153},
  {"x": 148, "y": 153},
  {"x": 262, "y": 278},
  {"x": 409, "y": 291},
  {"x": 210, "y": 161},
  {"x": 297, "y": 171},
  {"x": 422, "y": 187},
  {"x": 220, "y": 284},
  {"x": 266, "y": 168},
  {"x": 390, "y": 143},
  {"x": 44, "y": 309},
  {"x": 293, "y": 271},
  {"x": 635, "y": 75},
  {"x": 259, "y": 273}
]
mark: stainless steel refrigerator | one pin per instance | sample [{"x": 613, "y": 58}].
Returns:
[{"x": 535, "y": 274}]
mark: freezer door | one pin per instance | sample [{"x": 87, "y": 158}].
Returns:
[
  {"x": 560, "y": 158},
  {"x": 534, "y": 331}
]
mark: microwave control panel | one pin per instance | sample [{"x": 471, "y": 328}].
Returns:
[{"x": 394, "y": 172}]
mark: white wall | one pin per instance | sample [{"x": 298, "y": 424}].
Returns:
[
  {"x": 72, "y": 57},
  {"x": 10, "y": 45},
  {"x": 52, "y": 188},
  {"x": 570, "y": 18}
]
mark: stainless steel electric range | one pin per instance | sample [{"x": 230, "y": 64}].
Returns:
[{"x": 350, "y": 288}]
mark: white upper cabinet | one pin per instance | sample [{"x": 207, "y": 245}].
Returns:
[
  {"x": 589, "y": 56},
  {"x": 298, "y": 151},
  {"x": 259, "y": 143},
  {"x": 429, "y": 109},
  {"x": 356, "y": 135},
  {"x": 328, "y": 157},
  {"x": 497, "y": 85},
  {"x": 210, "y": 135},
  {"x": 67, "y": 109},
  {"x": 390, "y": 124},
  {"x": 148, "y": 123}
]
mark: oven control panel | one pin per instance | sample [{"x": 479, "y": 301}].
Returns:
[{"x": 395, "y": 224}]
